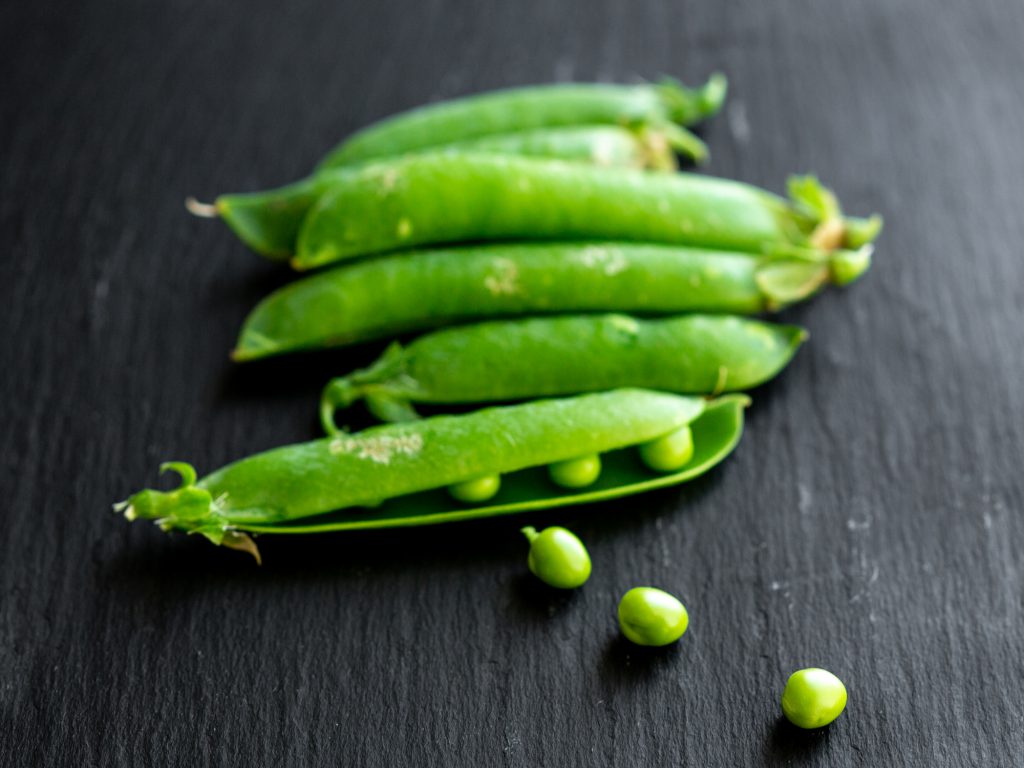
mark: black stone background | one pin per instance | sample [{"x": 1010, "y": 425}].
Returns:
[{"x": 870, "y": 522}]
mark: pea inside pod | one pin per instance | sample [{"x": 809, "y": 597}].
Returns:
[
  {"x": 269, "y": 221},
  {"x": 531, "y": 108},
  {"x": 563, "y": 355},
  {"x": 430, "y": 199},
  {"x": 424, "y": 289},
  {"x": 396, "y": 475}
]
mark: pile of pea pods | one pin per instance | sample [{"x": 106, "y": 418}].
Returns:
[{"x": 599, "y": 310}]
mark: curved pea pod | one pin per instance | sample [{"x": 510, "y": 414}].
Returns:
[
  {"x": 529, "y": 108},
  {"x": 430, "y": 199},
  {"x": 420, "y": 290},
  {"x": 566, "y": 355},
  {"x": 269, "y": 221},
  {"x": 393, "y": 475}
]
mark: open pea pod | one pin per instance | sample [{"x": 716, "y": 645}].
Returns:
[
  {"x": 395, "y": 475},
  {"x": 268, "y": 221},
  {"x": 508, "y": 360},
  {"x": 425, "y": 289}
]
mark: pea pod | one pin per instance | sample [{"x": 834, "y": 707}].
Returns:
[
  {"x": 519, "y": 109},
  {"x": 269, "y": 221},
  {"x": 424, "y": 289},
  {"x": 566, "y": 355},
  {"x": 393, "y": 475},
  {"x": 428, "y": 199}
]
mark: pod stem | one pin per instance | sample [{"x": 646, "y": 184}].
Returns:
[
  {"x": 340, "y": 392},
  {"x": 829, "y": 229},
  {"x": 529, "y": 532},
  {"x": 684, "y": 142},
  {"x": 384, "y": 385},
  {"x": 789, "y": 274},
  {"x": 687, "y": 106},
  {"x": 187, "y": 508},
  {"x": 200, "y": 209}
]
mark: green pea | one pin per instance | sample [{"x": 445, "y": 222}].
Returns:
[
  {"x": 670, "y": 452},
  {"x": 476, "y": 490},
  {"x": 813, "y": 698},
  {"x": 557, "y": 557},
  {"x": 576, "y": 473},
  {"x": 649, "y": 616}
]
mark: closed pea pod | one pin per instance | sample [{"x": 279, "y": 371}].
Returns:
[
  {"x": 268, "y": 221},
  {"x": 395, "y": 475},
  {"x": 563, "y": 355},
  {"x": 430, "y": 199},
  {"x": 529, "y": 108},
  {"x": 424, "y": 289}
]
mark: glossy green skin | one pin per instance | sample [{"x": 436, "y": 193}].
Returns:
[
  {"x": 269, "y": 221},
  {"x": 649, "y": 616},
  {"x": 275, "y": 492},
  {"x": 576, "y": 473},
  {"x": 562, "y": 355},
  {"x": 428, "y": 199},
  {"x": 420, "y": 290},
  {"x": 813, "y": 698},
  {"x": 557, "y": 557},
  {"x": 529, "y": 108},
  {"x": 669, "y": 452},
  {"x": 476, "y": 490}
]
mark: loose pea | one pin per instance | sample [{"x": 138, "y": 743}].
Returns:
[
  {"x": 576, "y": 473},
  {"x": 670, "y": 452},
  {"x": 649, "y": 616},
  {"x": 557, "y": 557},
  {"x": 476, "y": 490},
  {"x": 813, "y": 698}
]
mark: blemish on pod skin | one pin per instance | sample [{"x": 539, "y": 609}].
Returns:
[
  {"x": 388, "y": 180},
  {"x": 608, "y": 260},
  {"x": 603, "y": 152},
  {"x": 379, "y": 449},
  {"x": 404, "y": 228},
  {"x": 503, "y": 279},
  {"x": 626, "y": 324}
]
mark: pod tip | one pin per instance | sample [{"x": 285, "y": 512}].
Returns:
[{"x": 201, "y": 209}]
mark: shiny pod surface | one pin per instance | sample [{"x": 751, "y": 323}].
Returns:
[
  {"x": 425, "y": 289},
  {"x": 566, "y": 355},
  {"x": 531, "y": 107},
  {"x": 268, "y": 221},
  {"x": 430, "y": 199},
  {"x": 448, "y": 198}
]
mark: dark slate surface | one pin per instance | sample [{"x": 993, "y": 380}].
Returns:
[{"x": 870, "y": 521}]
